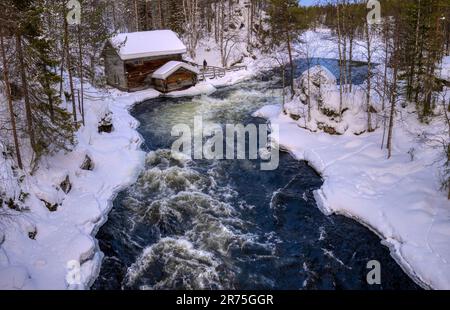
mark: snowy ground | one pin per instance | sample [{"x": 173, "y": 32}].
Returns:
[
  {"x": 68, "y": 234},
  {"x": 398, "y": 198},
  {"x": 444, "y": 70}
]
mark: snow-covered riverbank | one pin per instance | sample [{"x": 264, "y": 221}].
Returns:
[
  {"x": 67, "y": 235},
  {"x": 65, "y": 239},
  {"x": 399, "y": 198}
]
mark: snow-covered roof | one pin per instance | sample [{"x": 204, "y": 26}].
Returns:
[
  {"x": 165, "y": 71},
  {"x": 142, "y": 44}
]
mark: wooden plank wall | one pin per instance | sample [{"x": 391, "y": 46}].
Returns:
[
  {"x": 137, "y": 74},
  {"x": 178, "y": 80}
]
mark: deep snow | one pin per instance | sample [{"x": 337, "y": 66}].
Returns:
[
  {"x": 161, "y": 42},
  {"x": 68, "y": 234},
  {"x": 170, "y": 67},
  {"x": 398, "y": 198}
]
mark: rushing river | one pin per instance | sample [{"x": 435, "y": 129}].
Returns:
[{"x": 225, "y": 224}]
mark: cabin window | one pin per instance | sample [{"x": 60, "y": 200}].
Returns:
[{"x": 137, "y": 62}]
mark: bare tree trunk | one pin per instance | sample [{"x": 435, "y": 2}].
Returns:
[
  {"x": 136, "y": 15},
  {"x": 25, "y": 91},
  {"x": 190, "y": 10},
  {"x": 344, "y": 46},
  {"x": 209, "y": 18},
  {"x": 161, "y": 16},
  {"x": 10, "y": 102},
  {"x": 350, "y": 60},
  {"x": 291, "y": 62},
  {"x": 114, "y": 15},
  {"x": 369, "y": 79},
  {"x": 147, "y": 15},
  {"x": 393, "y": 94},
  {"x": 416, "y": 51},
  {"x": 250, "y": 25},
  {"x": 386, "y": 62},
  {"x": 309, "y": 86},
  {"x": 216, "y": 22},
  {"x": 284, "y": 87},
  {"x": 340, "y": 62},
  {"x": 344, "y": 62},
  {"x": 447, "y": 147},
  {"x": 391, "y": 118},
  {"x": 61, "y": 73},
  {"x": 49, "y": 96},
  {"x": 80, "y": 59},
  {"x": 222, "y": 27},
  {"x": 385, "y": 82},
  {"x": 69, "y": 71}
]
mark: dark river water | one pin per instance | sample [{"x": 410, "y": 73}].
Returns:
[{"x": 226, "y": 224}]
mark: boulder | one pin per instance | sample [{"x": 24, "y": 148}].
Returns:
[
  {"x": 65, "y": 185},
  {"x": 87, "y": 164},
  {"x": 328, "y": 129},
  {"x": 32, "y": 234},
  {"x": 51, "y": 207},
  {"x": 105, "y": 124}
]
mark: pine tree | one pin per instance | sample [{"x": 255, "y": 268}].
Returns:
[
  {"x": 12, "y": 116},
  {"x": 286, "y": 26},
  {"x": 53, "y": 123},
  {"x": 51, "y": 128}
]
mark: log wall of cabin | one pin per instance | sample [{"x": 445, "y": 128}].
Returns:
[
  {"x": 114, "y": 69},
  {"x": 138, "y": 72},
  {"x": 178, "y": 80}
]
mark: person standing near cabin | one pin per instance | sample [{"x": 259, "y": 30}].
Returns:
[{"x": 205, "y": 64}]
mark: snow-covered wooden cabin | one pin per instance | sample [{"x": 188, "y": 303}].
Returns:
[
  {"x": 132, "y": 58},
  {"x": 174, "y": 75}
]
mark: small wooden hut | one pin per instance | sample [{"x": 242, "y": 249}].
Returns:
[
  {"x": 174, "y": 75},
  {"x": 132, "y": 58}
]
